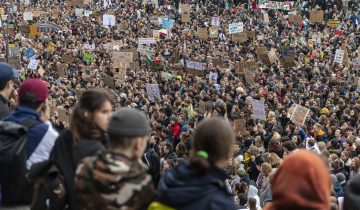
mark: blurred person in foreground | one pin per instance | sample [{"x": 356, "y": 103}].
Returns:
[
  {"x": 7, "y": 74},
  {"x": 301, "y": 182},
  {"x": 200, "y": 184},
  {"x": 117, "y": 178}
]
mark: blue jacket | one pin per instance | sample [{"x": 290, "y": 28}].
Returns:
[
  {"x": 182, "y": 189},
  {"x": 40, "y": 138}
]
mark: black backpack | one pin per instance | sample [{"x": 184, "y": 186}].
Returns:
[{"x": 14, "y": 185}]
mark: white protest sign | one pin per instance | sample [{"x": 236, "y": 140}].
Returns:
[
  {"x": 299, "y": 115},
  {"x": 260, "y": 37},
  {"x": 147, "y": 41},
  {"x": 258, "y": 109},
  {"x": 108, "y": 20},
  {"x": 194, "y": 65},
  {"x": 215, "y": 21},
  {"x": 27, "y": 16},
  {"x": 339, "y": 56},
  {"x": 153, "y": 91},
  {"x": 87, "y": 13},
  {"x": 236, "y": 27},
  {"x": 79, "y": 12},
  {"x": 33, "y": 64}
]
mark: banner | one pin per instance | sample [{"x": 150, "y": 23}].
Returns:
[
  {"x": 147, "y": 41},
  {"x": 286, "y": 5}
]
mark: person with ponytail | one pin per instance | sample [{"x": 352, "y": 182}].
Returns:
[{"x": 200, "y": 183}]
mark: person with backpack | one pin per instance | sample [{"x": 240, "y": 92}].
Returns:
[
  {"x": 7, "y": 74},
  {"x": 26, "y": 137},
  {"x": 152, "y": 159},
  {"x": 200, "y": 183},
  {"x": 117, "y": 178},
  {"x": 86, "y": 137}
]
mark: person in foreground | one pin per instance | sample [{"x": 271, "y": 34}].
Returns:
[
  {"x": 117, "y": 179},
  {"x": 200, "y": 184},
  {"x": 302, "y": 182}
]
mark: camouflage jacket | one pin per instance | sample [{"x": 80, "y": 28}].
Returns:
[{"x": 110, "y": 181}]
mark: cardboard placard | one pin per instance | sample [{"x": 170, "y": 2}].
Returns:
[
  {"x": 240, "y": 37},
  {"x": 202, "y": 33},
  {"x": 33, "y": 30},
  {"x": 75, "y": 3},
  {"x": 134, "y": 66},
  {"x": 185, "y": 13},
  {"x": 63, "y": 115},
  {"x": 266, "y": 18},
  {"x": 273, "y": 56},
  {"x": 261, "y": 51},
  {"x": 133, "y": 50},
  {"x": 316, "y": 16},
  {"x": 296, "y": 19},
  {"x": 15, "y": 62},
  {"x": 213, "y": 32},
  {"x": 287, "y": 62},
  {"x": 218, "y": 62},
  {"x": 24, "y": 29},
  {"x": 249, "y": 78},
  {"x": 299, "y": 115},
  {"x": 333, "y": 23},
  {"x": 121, "y": 57}
]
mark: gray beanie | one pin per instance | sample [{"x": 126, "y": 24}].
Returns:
[{"x": 129, "y": 122}]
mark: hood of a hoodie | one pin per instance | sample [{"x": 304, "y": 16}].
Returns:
[{"x": 182, "y": 186}]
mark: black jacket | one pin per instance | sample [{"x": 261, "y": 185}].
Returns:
[
  {"x": 4, "y": 107},
  {"x": 67, "y": 156},
  {"x": 182, "y": 189}
]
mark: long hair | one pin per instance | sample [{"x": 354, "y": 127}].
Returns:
[{"x": 90, "y": 102}]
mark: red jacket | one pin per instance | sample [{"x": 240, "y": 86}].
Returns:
[{"x": 175, "y": 130}]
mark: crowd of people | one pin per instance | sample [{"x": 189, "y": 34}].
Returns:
[{"x": 97, "y": 137}]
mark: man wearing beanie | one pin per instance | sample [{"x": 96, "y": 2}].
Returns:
[
  {"x": 117, "y": 179},
  {"x": 7, "y": 74},
  {"x": 32, "y": 112}
]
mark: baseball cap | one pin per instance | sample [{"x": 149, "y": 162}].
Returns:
[
  {"x": 37, "y": 87},
  {"x": 7, "y": 73},
  {"x": 129, "y": 122}
]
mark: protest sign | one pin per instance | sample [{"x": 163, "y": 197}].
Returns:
[
  {"x": 60, "y": 68},
  {"x": 194, "y": 65},
  {"x": 134, "y": 66},
  {"x": 273, "y": 56},
  {"x": 121, "y": 57},
  {"x": 28, "y": 16},
  {"x": 213, "y": 32},
  {"x": 299, "y": 115},
  {"x": 153, "y": 92},
  {"x": 278, "y": 5},
  {"x": 24, "y": 29},
  {"x": 215, "y": 21},
  {"x": 75, "y": 3},
  {"x": 29, "y": 53},
  {"x": 185, "y": 13},
  {"x": 333, "y": 23},
  {"x": 251, "y": 34},
  {"x": 33, "y": 64},
  {"x": 356, "y": 63},
  {"x": 88, "y": 57},
  {"x": 33, "y": 30},
  {"x": 295, "y": 19},
  {"x": 147, "y": 41},
  {"x": 202, "y": 33},
  {"x": 167, "y": 23},
  {"x": 122, "y": 72},
  {"x": 316, "y": 16},
  {"x": 79, "y": 12},
  {"x": 288, "y": 52},
  {"x": 240, "y": 37},
  {"x": 258, "y": 108},
  {"x": 240, "y": 126},
  {"x": 108, "y": 20},
  {"x": 133, "y": 51},
  {"x": 249, "y": 77},
  {"x": 14, "y": 51},
  {"x": 339, "y": 55},
  {"x": 260, "y": 37},
  {"x": 236, "y": 27},
  {"x": 15, "y": 62}
]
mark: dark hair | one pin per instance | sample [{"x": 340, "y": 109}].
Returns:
[
  {"x": 289, "y": 145},
  {"x": 29, "y": 100},
  {"x": 242, "y": 199},
  {"x": 3, "y": 85},
  {"x": 215, "y": 137},
  {"x": 181, "y": 151},
  {"x": 169, "y": 147},
  {"x": 90, "y": 101}
]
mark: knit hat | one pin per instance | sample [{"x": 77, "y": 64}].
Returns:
[
  {"x": 36, "y": 87},
  {"x": 324, "y": 111},
  {"x": 241, "y": 172},
  {"x": 129, "y": 122}
]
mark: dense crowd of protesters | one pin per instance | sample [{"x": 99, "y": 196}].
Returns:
[{"x": 108, "y": 145}]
